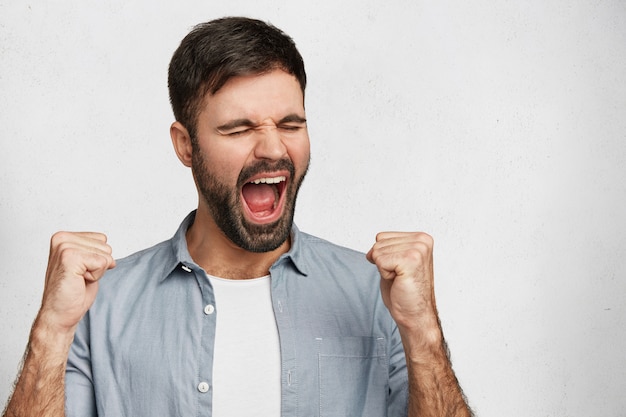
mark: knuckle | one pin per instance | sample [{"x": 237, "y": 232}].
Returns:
[
  {"x": 428, "y": 239},
  {"x": 58, "y": 238},
  {"x": 425, "y": 238},
  {"x": 66, "y": 252},
  {"x": 420, "y": 251},
  {"x": 422, "y": 247},
  {"x": 416, "y": 254}
]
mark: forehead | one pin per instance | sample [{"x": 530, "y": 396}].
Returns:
[{"x": 273, "y": 94}]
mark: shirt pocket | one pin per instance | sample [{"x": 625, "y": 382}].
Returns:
[{"x": 353, "y": 376}]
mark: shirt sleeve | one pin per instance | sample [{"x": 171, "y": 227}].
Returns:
[
  {"x": 398, "y": 401},
  {"x": 79, "y": 392}
]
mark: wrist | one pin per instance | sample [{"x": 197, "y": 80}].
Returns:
[
  {"x": 424, "y": 344},
  {"x": 50, "y": 341}
]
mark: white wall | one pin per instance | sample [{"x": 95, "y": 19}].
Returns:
[{"x": 498, "y": 127}]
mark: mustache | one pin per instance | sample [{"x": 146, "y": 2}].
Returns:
[{"x": 265, "y": 166}]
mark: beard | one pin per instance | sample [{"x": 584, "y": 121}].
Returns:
[{"x": 225, "y": 205}]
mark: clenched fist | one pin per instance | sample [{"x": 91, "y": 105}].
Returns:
[
  {"x": 405, "y": 263},
  {"x": 77, "y": 261}
]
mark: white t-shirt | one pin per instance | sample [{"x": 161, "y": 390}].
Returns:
[{"x": 246, "y": 368}]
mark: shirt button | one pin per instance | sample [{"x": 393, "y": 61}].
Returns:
[
  {"x": 209, "y": 309},
  {"x": 203, "y": 387}
]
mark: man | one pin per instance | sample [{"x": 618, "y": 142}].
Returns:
[{"x": 239, "y": 313}]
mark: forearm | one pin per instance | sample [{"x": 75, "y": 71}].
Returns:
[
  {"x": 40, "y": 388},
  {"x": 77, "y": 261},
  {"x": 405, "y": 264},
  {"x": 433, "y": 387}
]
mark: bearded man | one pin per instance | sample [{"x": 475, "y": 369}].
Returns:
[{"x": 240, "y": 313}]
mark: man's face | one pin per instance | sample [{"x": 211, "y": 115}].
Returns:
[{"x": 250, "y": 157}]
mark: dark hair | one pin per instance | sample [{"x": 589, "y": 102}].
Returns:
[{"x": 215, "y": 51}]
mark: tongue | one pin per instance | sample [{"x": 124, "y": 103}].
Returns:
[{"x": 259, "y": 197}]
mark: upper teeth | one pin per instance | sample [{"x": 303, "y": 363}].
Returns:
[{"x": 274, "y": 180}]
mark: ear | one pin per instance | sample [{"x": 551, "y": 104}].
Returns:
[{"x": 182, "y": 143}]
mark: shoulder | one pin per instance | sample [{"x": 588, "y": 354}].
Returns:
[
  {"x": 156, "y": 254},
  {"x": 322, "y": 246},
  {"x": 137, "y": 271},
  {"x": 321, "y": 255}
]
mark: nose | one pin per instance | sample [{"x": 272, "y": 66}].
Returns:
[{"x": 270, "y": 144}]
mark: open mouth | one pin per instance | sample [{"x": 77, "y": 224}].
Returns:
[{"x": 264, "y": 197}]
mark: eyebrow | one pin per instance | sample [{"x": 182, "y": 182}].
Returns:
[
  {"x": 292, "y": 118},
  {"x": 234, "y": 124}
]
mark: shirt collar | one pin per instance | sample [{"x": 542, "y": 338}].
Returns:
[
  {"x": 296, "y": 252},
  {"x": 180, "y": 257}
]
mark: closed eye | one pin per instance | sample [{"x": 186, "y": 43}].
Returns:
[
  {"x": 240, "y": 127},
  {"x": 290, "y": 128},
  {"x": 237, "y": 133},
  {"x": 235, "y": 128}
]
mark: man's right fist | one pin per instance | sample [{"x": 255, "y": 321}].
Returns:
[{"x": 77, "y": 261}]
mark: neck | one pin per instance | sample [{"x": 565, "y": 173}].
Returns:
[{"x": 220, "y": 257}]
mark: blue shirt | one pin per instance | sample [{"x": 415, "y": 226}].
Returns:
[{"x": 145, "y": 348}]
